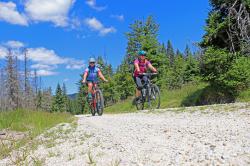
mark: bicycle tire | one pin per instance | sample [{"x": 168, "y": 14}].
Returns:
[
  {"x": 140, "y": 103},
  {"x": 99, "y": 102},
  {"x": 155, "y": 97},
  {"x": 92, "y": 109}
]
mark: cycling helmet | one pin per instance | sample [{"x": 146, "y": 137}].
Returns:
[
  {"x": 91, "y": 60},
  {"x": 142, "y": 53}
]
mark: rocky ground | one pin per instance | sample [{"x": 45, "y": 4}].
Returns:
[{"x": 209, "y": 135}]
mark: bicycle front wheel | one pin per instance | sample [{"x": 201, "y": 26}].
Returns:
[
  {"x": 92, "y": 107},
  {"x": 99, "y": 103},
  {"x": 155, "y": 98}
]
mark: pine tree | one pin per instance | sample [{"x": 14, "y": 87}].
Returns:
[
  {"x": 191, "y": 70},
  {"x": 124, "y": 82},
  {"x": 81, "y": 101},
  {"x": 170, "y": 53},
  {"x": 225, "y": 42},
  {"x": 187, "y": 52},
  {"x": 58, "y": 100},
  {"x": 65, "y": 99}
]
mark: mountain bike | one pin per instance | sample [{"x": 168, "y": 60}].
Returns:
[
  {"x": 150, "y": 94},
  {"x": 96, "y": 105}
]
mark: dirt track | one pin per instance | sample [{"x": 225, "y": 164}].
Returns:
[{"x": 163, "y": 138}]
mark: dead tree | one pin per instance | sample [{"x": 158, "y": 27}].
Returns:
[
  {"x": 2, "y": 90},
  {"x": 239, "y": 26},
  {"x": 12, "y": 85}
]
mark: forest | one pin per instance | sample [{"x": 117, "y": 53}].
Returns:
[{"x": 221, "y": 60}]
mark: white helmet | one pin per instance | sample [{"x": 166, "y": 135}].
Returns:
[{"x": 91, "y": 60}]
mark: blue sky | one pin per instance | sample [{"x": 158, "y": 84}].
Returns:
[{"x": 61, "y": 35}]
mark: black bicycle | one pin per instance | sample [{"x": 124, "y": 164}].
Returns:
[
  {"x": 96, "y": 105},
  {"x": 150, "y": 94}
]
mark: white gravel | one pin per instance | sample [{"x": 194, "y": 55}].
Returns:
[{"x": 165, "y": 138}]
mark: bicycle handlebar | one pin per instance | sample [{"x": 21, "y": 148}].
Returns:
[{"x": 148, "y": 74}]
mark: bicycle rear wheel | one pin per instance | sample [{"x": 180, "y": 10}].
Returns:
[
  {"x": 99, "y": 103},
  {"x": 155, "y": 98},
  {"x": 140, "y": 102}
]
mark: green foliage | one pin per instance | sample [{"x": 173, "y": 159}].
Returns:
[
  {"x": 188, "y": 95},
  {"x": 213, "y": 95},
  {"x": 33, "y": 121},
  {"x": 175, "y": 76},
  {"x": 225, "y": 63},
  {"x": 192, "y": 70},
  {"x": 244, "y": 96},
  {"x": 219, "y": 25},
  {"x": 170, "y": 53},
  {"x": 124, "y": 83},
  {"x": 109, "y": 91},
  {"x": 124, "y": 106},
  {"x": 58, "y": 104},
  {"x": 226, "y": 72},
  {"x": 216, "y": 31},
  {"x": 216, "y": 64},
  {"x": 238, "y": 76},
  {"x": 81, "y": 102}
]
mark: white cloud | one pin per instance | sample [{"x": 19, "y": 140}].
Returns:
[
  {"x": 14, "y": 44},
  {"x": 65, "y": 80},
  {"x": 43, "y": 72},
  {"x": 93, "y": 5},
  {"x": 75, "y": 64},
  {"x": 96, "y": 25},
  {"x": 3, "y": 52},
  {"x": 45, "y": 56},
  {"x": 43, "y": 66},
  {"x": 9, "y": 13},
  {"x": 118, "y": 17},
  {"x": 55, "y": 11},
  {"x": 75, "y": 23},
  {"x": 45, "y": 61}
]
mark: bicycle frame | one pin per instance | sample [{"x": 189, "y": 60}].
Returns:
[
  {"x": 94, "y": 89},
  {"x": 96, "y": 104}
]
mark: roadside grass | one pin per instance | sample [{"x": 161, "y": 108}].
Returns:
[
  {"x": 244, "y": 96},
  {"x": 121, "y": 107},
  {"x": 188, "y": 95},
  {"x": 32, "y": 123},
  {"x": 169, "y": 99}
]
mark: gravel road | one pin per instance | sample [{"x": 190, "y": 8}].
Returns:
[{"x": 201, "y": 136}]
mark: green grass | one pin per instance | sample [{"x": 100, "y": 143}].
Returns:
[
  {"x": 244, "y": 96},
  {"x": 33, "y": 121},
  {"x": 188, "y": 95},
  {"x": 121, "y": 107}
]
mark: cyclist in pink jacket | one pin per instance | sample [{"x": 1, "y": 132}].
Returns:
[{"x": 141, "y": 65}]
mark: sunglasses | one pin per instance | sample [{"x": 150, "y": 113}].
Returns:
[{"x": 92, "y": 63}]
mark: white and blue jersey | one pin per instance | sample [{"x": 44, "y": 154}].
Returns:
[{"x": 92, "y": 73}]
